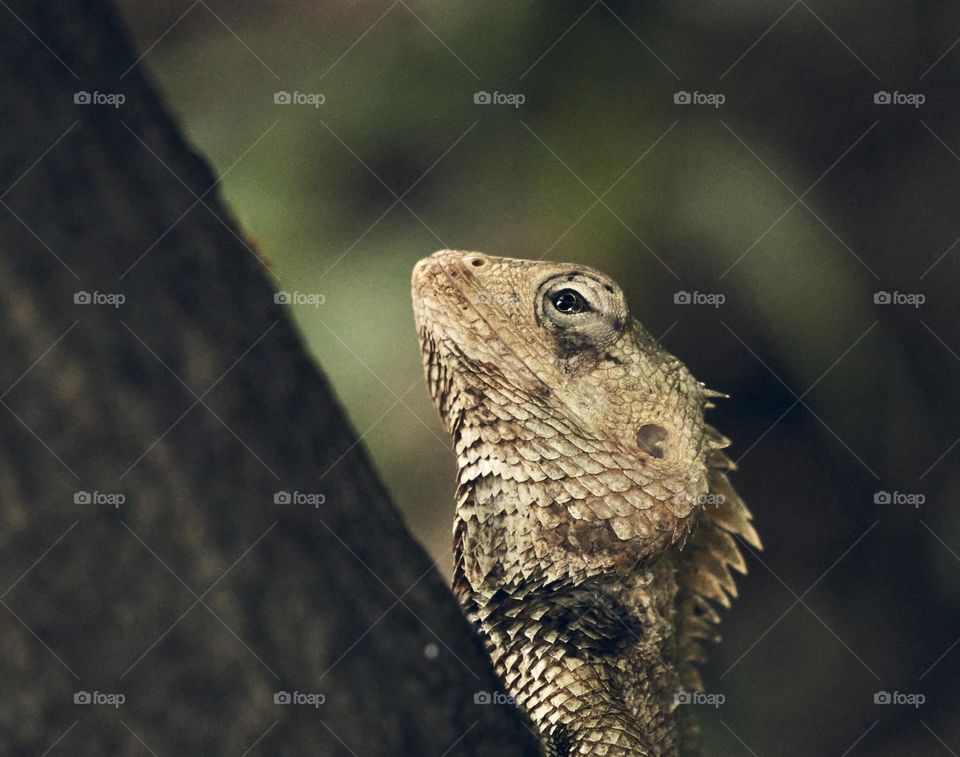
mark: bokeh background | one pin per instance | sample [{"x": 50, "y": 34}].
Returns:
[{"x": 797, "y": 199}]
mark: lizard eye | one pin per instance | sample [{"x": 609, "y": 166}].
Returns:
[
  {"x": 569, "y": 301},
  {"x": 581, "y": 308}
]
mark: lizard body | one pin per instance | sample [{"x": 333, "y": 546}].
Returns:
[{"x": 594, "y": 520}]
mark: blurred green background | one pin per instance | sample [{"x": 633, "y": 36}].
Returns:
[{"x": 797, "y": 199}]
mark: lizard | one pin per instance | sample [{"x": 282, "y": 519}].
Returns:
[{"x": 595, "y": 527}]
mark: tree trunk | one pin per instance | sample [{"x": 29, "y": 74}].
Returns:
[{"x": 148, "y": 548}]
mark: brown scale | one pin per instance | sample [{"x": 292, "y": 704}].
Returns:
[{"x": 595, "y": 525}]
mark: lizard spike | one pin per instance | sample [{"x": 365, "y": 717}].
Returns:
[
  {"x": 714, "y": 439},
  {"x": 722, "y": 443},
  {"x": 714, "y": 394}
]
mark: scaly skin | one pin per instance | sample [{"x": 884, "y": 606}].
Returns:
[{"x": 594, "y": 519}]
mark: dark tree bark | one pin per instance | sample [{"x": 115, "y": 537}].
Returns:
[{"x": 199, "y": 597}]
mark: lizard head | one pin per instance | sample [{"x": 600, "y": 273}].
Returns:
[{"x": 580, "y": 441}]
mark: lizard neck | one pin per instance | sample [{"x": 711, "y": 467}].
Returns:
[{"x": 591, "y": 662}]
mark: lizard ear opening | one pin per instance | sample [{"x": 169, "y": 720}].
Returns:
[{"x": 652, "y": 439}]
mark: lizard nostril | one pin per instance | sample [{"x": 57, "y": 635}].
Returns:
[
  {"x": 652, "y": 439},
  {"x": 477, "y": 262}
]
